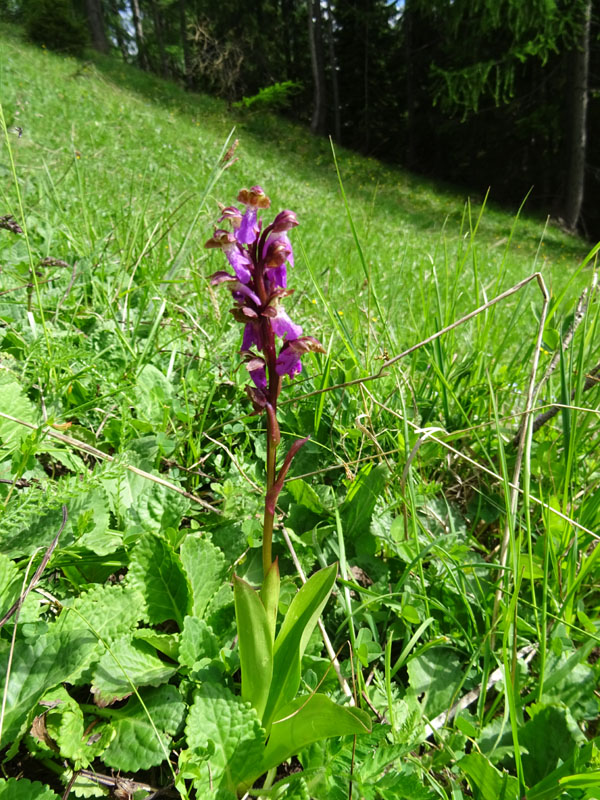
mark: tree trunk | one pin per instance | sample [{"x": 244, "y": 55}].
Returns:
[
  {"x": 158, "y": 33},
  {"x": 411, "y": 140},
  {"x": 139, "y": 35},
  {"x": 289, "y": 33},
  {"x": 318, "y": 123},
  {"x": 578, "y": 86},
  {"x": 93, "y": 10},
  {"x": 185, "y": 43},
  {"x": 335, "y": 86}
]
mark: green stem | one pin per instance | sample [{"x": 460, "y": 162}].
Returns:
[{"x": 269, "y": 517}]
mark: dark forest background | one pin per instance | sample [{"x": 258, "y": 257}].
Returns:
[{"x": 481, "y": 93}]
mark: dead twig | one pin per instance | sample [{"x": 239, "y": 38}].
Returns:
[
  {"x": 523, "y": 447},
  {"x": 537, "y": 276},
  {"x": 578, "y": 317},
  {"x": 93, "y": 451},
  {"x": 591, "y": 380},
  {"x": 38, "y": 573},
  {"x": 526, "y": 654}
]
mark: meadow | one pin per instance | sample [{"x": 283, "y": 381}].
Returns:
[{"x": 452, "y": 470}]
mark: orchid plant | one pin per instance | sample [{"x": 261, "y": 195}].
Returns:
[{"x": 272, "y": 347}]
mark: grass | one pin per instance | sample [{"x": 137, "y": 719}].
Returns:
[{"x": 118, "y": 347}]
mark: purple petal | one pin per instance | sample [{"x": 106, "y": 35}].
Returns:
[
  {"x": 283, "y": 325},
  {"x": 248, "y": 230},
  {"x": 233, "y": 214},
  {"x": 221, "y": 276},
  {"x": 241, "y": 289},
  {"x": 252, "y": 337},
  {"x": 277, "y": 276},
  {"x": 259, "y": 376},
  {"x": 288, "y": 362},
  {"x": 240, "y": 261},
  {"x": 277, "y": 250}
]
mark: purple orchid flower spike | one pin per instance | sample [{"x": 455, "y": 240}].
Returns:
[{"x": 259, "y": 257}]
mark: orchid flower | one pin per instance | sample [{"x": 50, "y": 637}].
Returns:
[{"x": 259, "y": 255}]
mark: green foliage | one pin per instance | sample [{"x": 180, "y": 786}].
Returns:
[
  {"x": 126, "y": 652},
  {"x": 23, "y": 789},
  {"x": 271, "y": 98},
  {"x": 225, "y": 741},
  {"x": 53, "y": 24},
  {"x": 135, "y": 745}
]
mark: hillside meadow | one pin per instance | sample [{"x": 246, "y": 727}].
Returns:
[{"x": 456, "y": 486}]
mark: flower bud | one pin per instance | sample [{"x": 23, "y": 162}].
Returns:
[{"x": 284, "y": 221}]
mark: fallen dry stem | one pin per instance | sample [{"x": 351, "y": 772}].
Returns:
[
  {"x": 487, "y": 470},
  {"x": 38, "y": 573},
  {"x": 523, "y": 448},
  {"x": 384, "y": 367},
  {"x": 93, "y": 451}
]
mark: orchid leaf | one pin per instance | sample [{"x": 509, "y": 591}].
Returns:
[
  {"x": 205, "y": 567},
  {"x": 269, "y": 595},
  {"x": 255, "y": 643},
  {"x": 156, "y": 572},
  {"x": 135, "y": 745},
  {"x": 298, "y": 625},
  {"x": 308, "y": 719},
  {"x": 128, "y": 663}
]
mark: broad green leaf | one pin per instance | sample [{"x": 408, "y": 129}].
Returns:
[
  {"x": 255, "y": 642},
  {"x": 197, "y": 642},
  {"x": 143, "y": 504},
  {"x": 87, "y": 523},
  {"x": 37, "y": 666},
  {"x": 11, "y": 584},
  {"x": 156, "y": 572},
  {"x": 127, "y": 662},
  {"x": 550, "y": 787},
  {"x": 85, "y": 786},
  {"x": 205, "y": 567},
  {"x": 108, "y": 611},
  {"x": 305, "y": 495},
  {"x": 64, "y": 723},
  {"x": 157, "y": 508},
  {"x": 23, "y": 789},
  {"x": 542, "y": 753},
  {"x": 15, "y": 402},
  {"x": 153, "y": 392},
  {"x": 357, "y": 509},
  {"x": 293, "y": 636},
  {"x": 166, "y": 643},
  {"x": 135, "y": 745},
  {"x": 226, "y": 735},
  {"x": 435, "y": 674},
  {"x": 488, "y": 783},
  {"x": 308, "y": 719}
]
